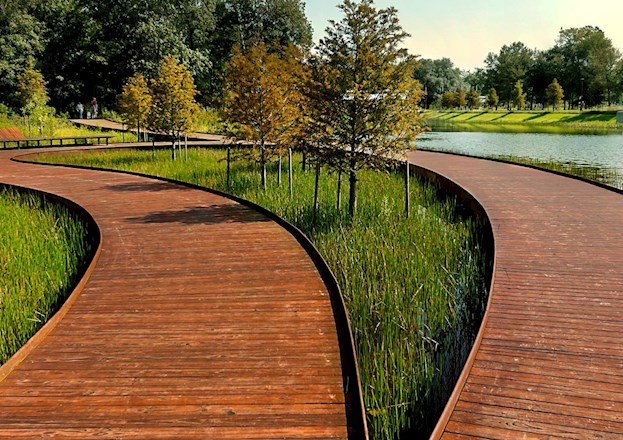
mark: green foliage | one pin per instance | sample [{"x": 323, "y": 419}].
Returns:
[
  {"x": 460, "y": 98},
  {"x": 363, "y": 101},
  {"x": 554, "y": 94},
  {"x": 262, "y": 97},
  {"x": 492, "y": 98},
  {"x": 31, "y": 88},
  {"x": 135, "y": 102},
  {"x": 448, "y": 100},
  {"x": 42, "y": 251},
  {"x": 473, "y": 99},
  {"x": 21, "y": 43},
  {"x": 173, "y": 105},
  {"x": 414, "y": 288},
  {"x": 519, "y": 97},
  {"x": 437, "y": 76}
]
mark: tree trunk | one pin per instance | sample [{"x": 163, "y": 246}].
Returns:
[
  {"x": 153, "y": 148},
  {"x": 290, "y": 169},
  {"x": 186, "y": 145},
  {"x": 173, "y": 149},
  {"x": 279, "y": 172},
  {"x": 407, "y": 190},
  {"x": 138, "y": 130},
  {"x": 263, "y": 161},
  {"x": 304, "y": 161},
  {"x": 339, "y": 190},
  {"x": 316, "y": 186},
  {"x": 352, "y": 197},
  {"x": 228, "y": 168}
]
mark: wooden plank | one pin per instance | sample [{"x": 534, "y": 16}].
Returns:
[
  {"x": 549, "y": 360},
  {"x": 201, "y": 319}
]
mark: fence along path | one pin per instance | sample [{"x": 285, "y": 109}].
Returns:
[
  {"x": 201, "y": 319},
  {"x": 549, "y": 363}
]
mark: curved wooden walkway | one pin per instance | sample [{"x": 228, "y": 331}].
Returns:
[
  {"x": 201, "y": 319},
  {"x": 550, "y": 360}
]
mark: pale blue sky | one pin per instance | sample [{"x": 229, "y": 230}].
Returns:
[{"x": 467, "y": 30}]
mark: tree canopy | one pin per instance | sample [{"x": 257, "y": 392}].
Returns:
[{"x": 363, "y": 97}]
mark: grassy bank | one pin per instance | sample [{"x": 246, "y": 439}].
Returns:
[
  {"x": 414, "y": 288},
  {"x": 52, "y": 127},
  {"x": 526, "y": 121},
  {"x": 42, "y": 252}
]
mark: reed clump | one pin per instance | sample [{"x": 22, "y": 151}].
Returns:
[
  {"x": 43, "y": 249},
  {"x": 415, "y": 287}
]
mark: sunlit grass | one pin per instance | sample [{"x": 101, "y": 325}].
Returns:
[
  {"x": 526, "y": 121},
  {"x": 42, "y": 250},
  {"x": 53, "y": 127},
  {"x": 414, "y": 288}
]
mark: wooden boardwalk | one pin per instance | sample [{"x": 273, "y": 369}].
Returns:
[
  {"x": 549, "y": 361},
  {"x": 202, "y": 318}
]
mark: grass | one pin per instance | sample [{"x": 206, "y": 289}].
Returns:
[
  {"x": 53, "y": 127},
  {"x": 42, "y": 251},
  {"x": 607, "y": 176},
  {"x": 527, "y": 121},
  {"x": 414, "y": 288}
]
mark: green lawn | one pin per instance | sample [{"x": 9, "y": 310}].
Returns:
[
  {"x": 600, "y": 120},
  {"x": 414, "y": 288},
  {"x": 43, "y": 249}
]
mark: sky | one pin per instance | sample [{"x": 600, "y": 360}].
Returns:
[{"x": 467, "y": 30}]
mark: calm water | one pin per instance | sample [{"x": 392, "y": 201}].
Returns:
[{"x": 602, "y": 151}]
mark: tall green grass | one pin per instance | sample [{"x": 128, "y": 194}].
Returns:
[
  {"x": 608, "y": 176},
  {"x": 43, "y": 248},
  {"x": 414, "y": 287}
]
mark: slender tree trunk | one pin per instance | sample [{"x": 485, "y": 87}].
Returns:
[
  {"x": 339, "y": 190},
  {"x": 279, "y": 172},
  {"x": 290, "y": 170},
  {"x": 352, "y": 197},
  {"x": 316, "y": 187},
  {"x": 263, "y": 160},
  {"x": 186, "y": 145},
  {"x": 153, "y": 148},
  {"x": 228, "y": 168},
  {"x": 304, "y": 161},
  {"x": 138, "y": 130},
  {"x": 173, "y": 149},
  {"x": 407, "y": 190}
]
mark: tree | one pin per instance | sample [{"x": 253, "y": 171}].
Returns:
[
  {"x": 519, "y": 97},
  {"x": 437, "y": 76},
  {"x": 448, "y": 100},
  {"x": 20, "y": 45},
  {"x": 492, "y": 98},
  {"x": 135, "y": 102},
  {"x": 33, "y": 96},
  {"x": 473, "y": 99},
  {"x": 460, "y": 99},
  {"x": 503, "y": 70},
  {"x": 554, "y": 94},
  {"x": 173, "y": 101},
  {"x": 363, "y": 97},
  {"x": 261, "y": 98}
]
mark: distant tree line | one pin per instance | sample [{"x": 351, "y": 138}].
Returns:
[
  {"x": 87, "y": 48},
  {"x": 582, "y": 69}
]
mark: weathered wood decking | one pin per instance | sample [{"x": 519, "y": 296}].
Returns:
[
  {"x": 550, "y": 360},
  {"x": 201, "y": 319}
]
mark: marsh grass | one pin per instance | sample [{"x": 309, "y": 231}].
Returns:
[
  {"x": 608, "y": 176},
  {"x": 414, "y": 288},
  {"x": 43, "y": 249}
]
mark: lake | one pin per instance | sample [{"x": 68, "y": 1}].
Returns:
[{"x": 602, "y": 151}]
